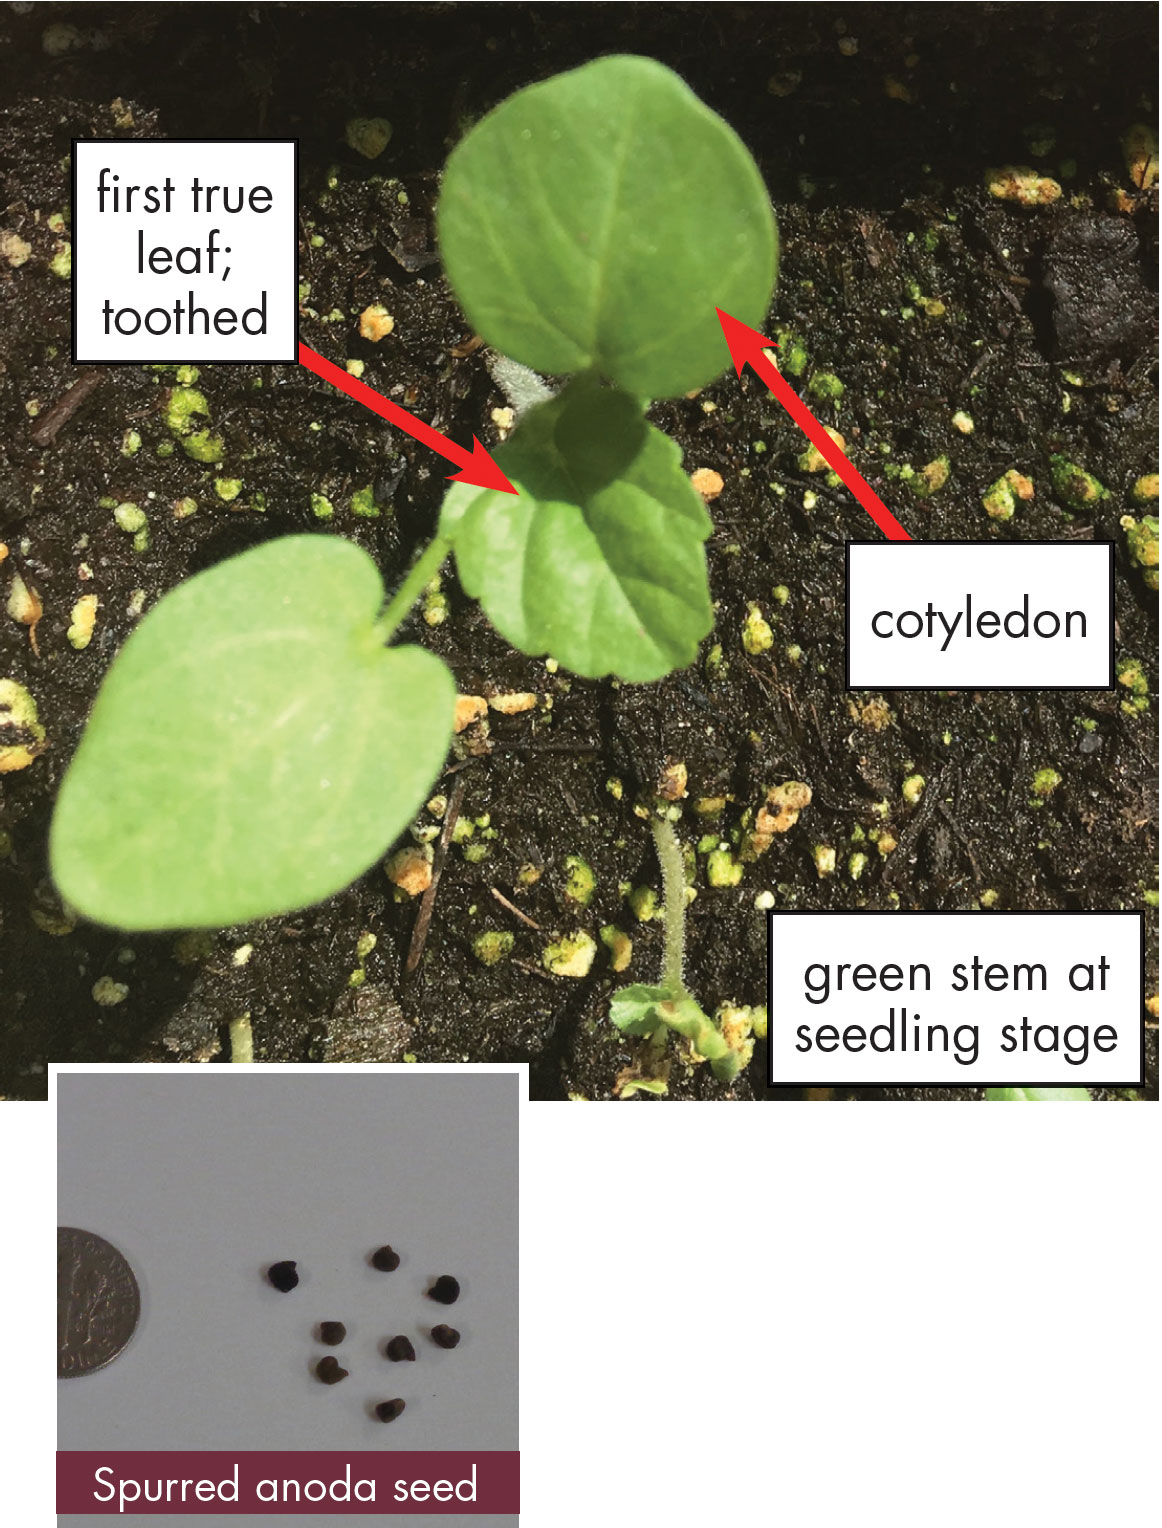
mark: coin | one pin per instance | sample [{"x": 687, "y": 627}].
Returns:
[{"x": 98, "y": 1302}]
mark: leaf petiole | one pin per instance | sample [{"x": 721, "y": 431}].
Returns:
[{"x": 416, "y": 580}]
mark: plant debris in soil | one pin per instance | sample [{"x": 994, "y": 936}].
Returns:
[{"x": 970, "y": 336}]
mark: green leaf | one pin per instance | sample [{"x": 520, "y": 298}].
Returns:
[
  {"x": 683, "y": 1015},
  {"x": 641, "y": 1010},
  {"x": 254, "y": 746},
  {"x": 597, "y": 219},
  {"x": 1039, "y": 1095},
  {"x": 655, "y": 1085},
  {"x": 634, "y": 1009},
  {"x": 598, "y": 560}
]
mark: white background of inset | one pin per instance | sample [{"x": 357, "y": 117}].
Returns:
[{"x": 909, "y": 1313}]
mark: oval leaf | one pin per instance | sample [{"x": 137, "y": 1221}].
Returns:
[
  {"x": 597, "y": 219},
  {"x": 254, "y": 746},
  {"x": 598, "y": 560}
]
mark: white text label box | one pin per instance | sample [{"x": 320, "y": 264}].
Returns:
[
  {"x": 184, "y": 250},
  {"x": 953, "y": 615},
  {"x": 956, "y": 999}
]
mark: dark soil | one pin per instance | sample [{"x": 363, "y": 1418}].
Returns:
[{"x": 875, "y": 159}]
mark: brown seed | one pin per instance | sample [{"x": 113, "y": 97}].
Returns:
[
  {"x": 446, "y": 1290},
  {"x": 332, "y": 1333},
  {"x": 400, "y": 1350},
  {"x": 329, "y": 1370},
  {"x": 445, "y": 1336},
  {"x": 385, "y": 1260},
  {"x": 283, "y": 1276},
  {"x": 387, "y": 1411}
]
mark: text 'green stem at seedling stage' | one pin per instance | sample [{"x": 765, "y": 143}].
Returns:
[{"x": 901, "y": 1032}]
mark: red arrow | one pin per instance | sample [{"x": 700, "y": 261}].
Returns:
[
  {"x": 477, "y": 467},
  {"x": 746, "y": 349}
]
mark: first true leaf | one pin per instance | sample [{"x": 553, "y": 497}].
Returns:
[
  {"x": 598, "y": 559},
  {"x": 254, "y": 747}
]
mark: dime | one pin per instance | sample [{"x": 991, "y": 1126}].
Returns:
[{"x": 98, "y": 1302}]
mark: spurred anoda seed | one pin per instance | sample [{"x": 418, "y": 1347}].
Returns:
[
  {"x": 330, "y": 1371},
  {"x": 385, "y": 1260},
  {"x": 332, "y": 1333},
  {"x": 400, "y": 1350},
  {"x": 446, "y": 1290},
  {"x": 387, "y": 1411},
  {"x": 445, "y": 1336},
  {"x": 283, "y": 1276}
]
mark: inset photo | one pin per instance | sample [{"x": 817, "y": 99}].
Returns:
[{"x": 318, "y": 1262}]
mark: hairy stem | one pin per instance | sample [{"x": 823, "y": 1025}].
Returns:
[
  {"x": 418, "y": 577},
  {"x": 521, "y": 387},
  {"x": 674, "y": 899}
]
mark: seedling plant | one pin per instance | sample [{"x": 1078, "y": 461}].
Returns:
[
  {"x": 650, "y": 1011},
  {"x": 262, "y": 737}
]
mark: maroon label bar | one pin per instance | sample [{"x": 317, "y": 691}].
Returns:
[{"x": 257, "y": 1481}]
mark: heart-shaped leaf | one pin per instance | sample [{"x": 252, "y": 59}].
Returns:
[
  {"x": 595, "y": 220},
  {"x": 254, "y": 746},
  {"x": 598, "y": 560}
]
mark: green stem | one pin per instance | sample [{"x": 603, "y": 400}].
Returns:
[
  {"x": 417, "y": 579},
  {"x": 674, "y": 900}
]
